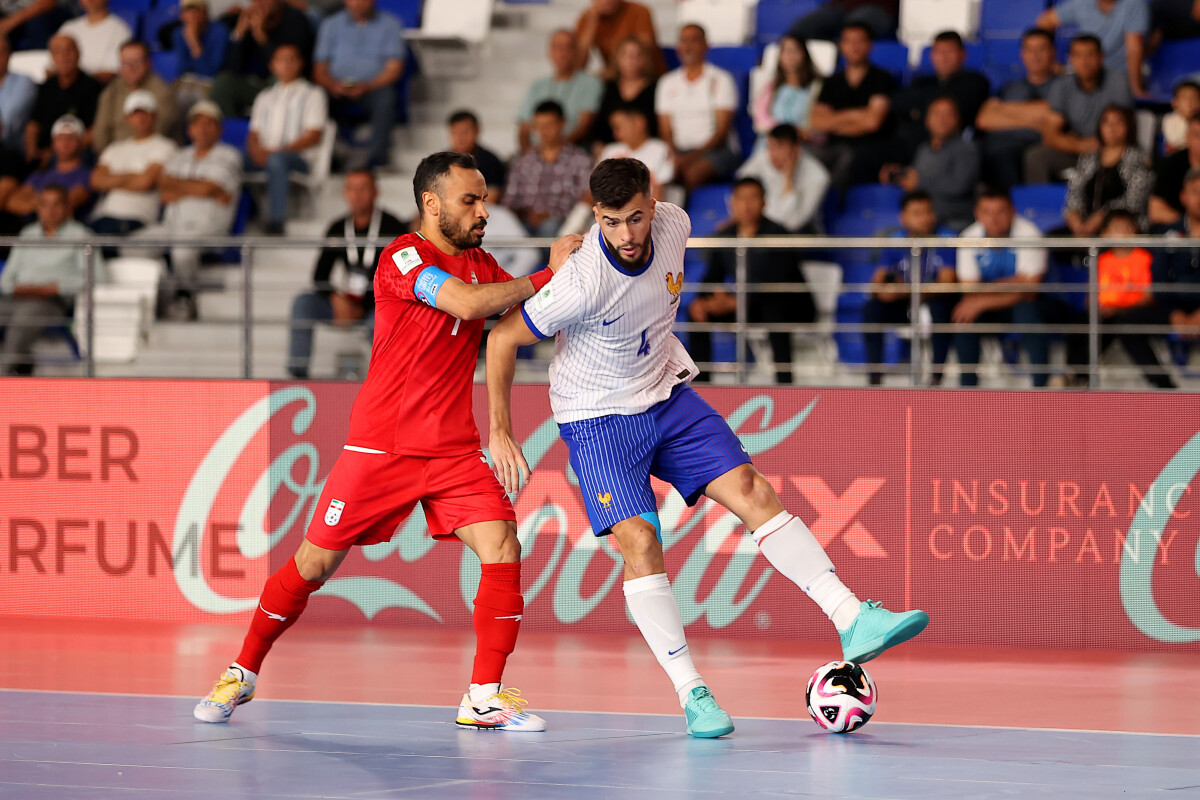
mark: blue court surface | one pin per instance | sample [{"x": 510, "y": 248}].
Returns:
[{"x": 84, "y": 746}]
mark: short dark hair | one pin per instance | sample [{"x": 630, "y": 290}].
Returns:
[
  {"x": 1189, "y": 84},
  {"x": 57, "y": 188},
  {"x": 950, "y": 36},
  {"x": 370, "y": 173},
  {"x": 1087, "y": 38},
  {"x": 915, "y": 196},
  {"x": 550, "y": 107},
  {"x": 630, "y": 108},
  {"x": 1038, "y": 33},
  {"x": 616, "y": 181},
  {"x": 138, "y": 43},
  {"x": 783, "y": 132},
  {"x": 433, "y": 168},
  {"x": 750, "y": 181},
  {"x": 993, "y": 193},
  {"x": 697, "y": 26},
  {"x": 299, "y": 50},
  {"x": 1122, "y": 214},
  {"x": 859, "y": 26},
  {"x": 462, "y": 115}
]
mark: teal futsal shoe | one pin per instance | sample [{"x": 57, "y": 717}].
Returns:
[
  {"x": 875, "y": 629},
  {"x": 705, "y": 719}
]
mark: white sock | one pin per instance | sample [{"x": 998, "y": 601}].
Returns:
[
  {"x": 792, "y": 550},
  {"x": 247, "y": 675},
  {"x": 656, "y": 614},
  {"x": 482, "y": 691}
]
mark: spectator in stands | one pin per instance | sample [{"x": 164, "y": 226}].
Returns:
[
  {"x": 129, "y": 171},
  {"x": 606, "y": 24},
  {"x": 29, "y": 24},
  {"x": 39, "y": 284},
  {"x": 633, "y": 140},
  {"x": 344, "y": 277},
  {"x": 1185, "y": 104},
  {"x": 545, "y": 183},
  {"x": 950, "y": 78},
  {"x": 360, "y": 59},
  {"x": 946, "y": 166},
  {"x": 1013, "y": 120},
  {"x": 1120, "y": 27},
  {"x": 827, "y": 22},
  {"x": 763, "y": 266},
  {"x": 464, "y": 138},
  {"x": 200, "y": 190},
  {"x": 17, "y": 96},
  {"x": 1015, "y": 269},
  {"x": 794, "y": 181},
  {"x": 1116, "y": 176},
  {"x": 136, "y": 74},
  {"x": 853, "y": 112},
  {"x": 1182, "y": 265},
  {"x": 890, "y": 301},
  {"x": 1126, "y": 298},
  {"x": 1076, "y": 103},
  {"x": 1173, "y": 19},
  {"x": 262, "y": 25},
  {"x": 1166, "y": 205},
  {"x": 790, "y": 96},
  {"x": 286, "y": 126},
  {"x": 67, "y": 91},
  {"x": 633, "y": 85},
  {"x": 577, "y": 92},
  {"x": 67, "y": 169},
  {"x": 199, "y": 45},
  {"x": 696, "y": 104},
  {"x": 99, "y": 35}
]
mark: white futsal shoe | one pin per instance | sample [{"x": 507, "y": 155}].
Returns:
[
  {"x": 503, "y": 711},
  {"x": 234, "y": 687}
]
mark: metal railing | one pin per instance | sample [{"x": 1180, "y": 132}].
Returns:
[{"x": 808, "y": 248}]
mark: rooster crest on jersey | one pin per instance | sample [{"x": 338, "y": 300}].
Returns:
[
  {"x": 605, "y": 499},
  {"x": 675, "y": 286},
  {"x": 334, "y": 512}
]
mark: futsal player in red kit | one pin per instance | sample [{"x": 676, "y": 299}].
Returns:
[{"x": 413, "y": 438}]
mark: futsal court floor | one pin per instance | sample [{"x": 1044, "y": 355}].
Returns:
[{"x": 103, "y": 710}]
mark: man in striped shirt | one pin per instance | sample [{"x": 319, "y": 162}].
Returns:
[{"x": 619, "y": 391}]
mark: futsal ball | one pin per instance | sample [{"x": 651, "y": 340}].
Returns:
[{"x": 841, "y": 696}]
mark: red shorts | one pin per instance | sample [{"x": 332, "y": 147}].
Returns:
[{"x": 369, "y": 495}]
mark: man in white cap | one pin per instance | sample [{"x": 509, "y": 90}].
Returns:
[
  {"x": 129, "y": 170},
  {"x": 67, "y": 170},
  {"x": 200, "y": 189}
]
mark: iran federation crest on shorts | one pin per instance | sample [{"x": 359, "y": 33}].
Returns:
[{"x": 334, "y": 512}]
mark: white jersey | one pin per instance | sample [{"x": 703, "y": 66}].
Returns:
[{"x": 614, "y": 350}]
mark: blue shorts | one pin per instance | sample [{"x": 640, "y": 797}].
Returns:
[{"x": 682, "y": 441}]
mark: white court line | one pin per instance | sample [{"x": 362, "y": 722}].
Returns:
[{"x": 629, "y": 713}]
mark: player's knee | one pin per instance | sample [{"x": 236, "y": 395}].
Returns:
[
  {"x": 640, "y": 548},
  {"x": 316, "y": 564},
  {"x": 509, "y": 548},
  {"x": 757, "y": 491}
]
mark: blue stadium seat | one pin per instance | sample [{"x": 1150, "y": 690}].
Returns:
[
  {"x": 117, "y": 6},
  {"x": 1002, "y": 61},
  {"x": 409, "y": 11},
  {"x": 132, "y": 17},
  {"x": 1171, "y": 63},
  {"x": 234, "y": 131},
  {"x": 165, "y": 64},
  {"x": 738, "y": 60},
  {"x": 154, "y": 18},
  {"x": 1041, "y": 203},
  {"x": 772, "y": 18},
  {"x": 891, "y": 56},
  {"x": 874, "y": 196},
  {"x": 975, "y": 60},
  {"x": 1008, "y": 19},
  {"x": 708, "y": 207}
]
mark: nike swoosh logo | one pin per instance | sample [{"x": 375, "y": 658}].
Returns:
[
  {"x": 607, "y": 322},
  {"x": 279, "y": 617},
  {"x": 673, "y": 652}
]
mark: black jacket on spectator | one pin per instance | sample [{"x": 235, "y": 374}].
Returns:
[
  {"x": 248, "y": 57},
  {"x": 611, "y": 101},
  {"x": 1178, "y": 265},
  {"x": 968, "y": 88},
  {"x": 389, "y": 228},
  {"x": 839, "y": 95},
  {"x": 53, "y": 101},
  {"x": 1168, "y": 180},
  {"x": 493, "y": 169}
]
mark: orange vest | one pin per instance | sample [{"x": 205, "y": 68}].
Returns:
[{"x": 1124, "y": 280}]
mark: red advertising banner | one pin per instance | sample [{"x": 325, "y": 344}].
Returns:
[{"x": 1016, "y": 519}]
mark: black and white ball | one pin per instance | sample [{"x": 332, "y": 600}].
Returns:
[{"x": 841, "y": 696}]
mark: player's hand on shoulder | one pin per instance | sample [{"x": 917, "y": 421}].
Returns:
[
  {"x": 561, "y": 250},
  {"x": 508, "y": 462}
]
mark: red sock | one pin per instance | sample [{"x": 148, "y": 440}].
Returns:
[
  {"x": 498, "y": 608},
  {"x": 283, "y": 600}
]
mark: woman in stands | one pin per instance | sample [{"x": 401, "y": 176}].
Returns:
[
  {"x": 789, "y": 98},
  {"x": 633, "y": 87},
  {"x": 1114, "y": 177}
]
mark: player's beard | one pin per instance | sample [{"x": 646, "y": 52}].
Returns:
[
  {"x": 638, "y": 261},
  {"x": 464, "y": 237}
]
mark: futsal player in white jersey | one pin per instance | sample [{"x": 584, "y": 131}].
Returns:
[{"x": 620, "y": 395}]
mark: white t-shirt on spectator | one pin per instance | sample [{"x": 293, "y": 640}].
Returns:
[
  {"x": 99, "y": 43},
  {"x": 985, "y": 266},
  {"x": 128, "y": 157},
  {"x": 654, "y": 153},
  {"x": 285, "y": 112},
  {"x": 221, "y": 165},
  {"x": 692, "y": 105}
]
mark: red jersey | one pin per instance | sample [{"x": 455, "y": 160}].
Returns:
[{"x": 416, "y": 399}]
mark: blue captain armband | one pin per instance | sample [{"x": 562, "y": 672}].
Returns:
[{"x": 428, "y": 283}]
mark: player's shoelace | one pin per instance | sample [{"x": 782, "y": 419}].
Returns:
[
  {"x": 226, "y": 690},
  {"x": 705, "y": 702},
  {"x": 513, "y": 702}
]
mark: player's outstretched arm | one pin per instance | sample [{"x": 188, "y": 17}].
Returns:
[
  {"x": 507, "y": 459},
  {"x": 482, "y": 300}
]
